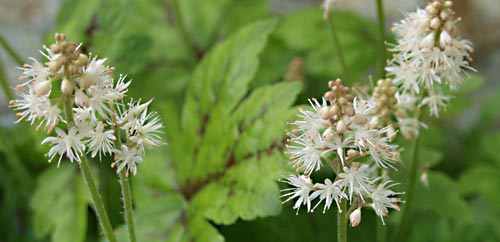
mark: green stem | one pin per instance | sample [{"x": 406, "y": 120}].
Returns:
[
  {"x": 336, "y": 44},
  {"x": 381, "y": 231},
  {"x": 381, "y": 45},
  {"x": 102, "y": 215},
  {"x": 127, "y": 204},
  {"x": 399, "y": 234},
  {"x": 124, "y": 185},
  {"x": 342, "y": 222},
  {"x": 4, "y": 83},
  {"x": 11, "y": 51},
  {"x": 185, "y": 35}
]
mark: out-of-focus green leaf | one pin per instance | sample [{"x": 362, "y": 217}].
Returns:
[
  {"x": 490, "y": 110},
  {"x": 307, "y": 34},
  {"x": 60, "y": 205},
  {"x": 224, "y": 158},
  {"x": 442, "y": 197},
  {"x": 483, "y": 181},
  {"x": 202, "y": 19},
  {"x": 218, "y": 84},
  {"x": 489, "y": 145},
  {"x": 430, "y": 227},
  {"x": 470, "y": 85},
  {"x": 430, "y": 157},
  {"x": 484, "y": 226},
  {"x": 74, "y": 18}
]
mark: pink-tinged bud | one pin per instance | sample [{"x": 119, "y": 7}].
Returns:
[
  {"x": 81, "y": 99},
  {"x": 428, "y": 41},
  {"x": 325, "y": 112},
  {"x": 341, "y": 127},
  {"x": 355, "y": 217},
  {"x": 42, "y": 88},
  {"x": 66, "y": 87},
  {"x": 352, "y": 153},
  {"x": 444, "y": 39}
]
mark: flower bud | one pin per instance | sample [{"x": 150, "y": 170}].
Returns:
[
  {"x": 341, "y": 127},
  {"x": 444, "y": 15},
  {"x": 42, "y": 88},
  {"x": 82, "y": 60},
  {"x": 84, "y": 82},
  {"x": 66, "y": 87},
  {"x": 450, "y": 26},
  {"x": 431, "y": 10},
  {"x": 355, "y": 217},
  {"x": 55, "y": 48},
  {"x": 325, "y": 112},
  {"x": 428, "y": 41},
  {"x": 435, "y": 23},
  {"x": 81, "y": 99},
  {"x": 444, "y": 39},
  {"x": 352, "y": 153},
  {"x": 328, "y": 134}
]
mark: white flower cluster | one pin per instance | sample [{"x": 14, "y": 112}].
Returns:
[
  {"x": 87, "y": 113},
  {"x": 346, "y": 133},
  {"x": 429, "y": 57}
]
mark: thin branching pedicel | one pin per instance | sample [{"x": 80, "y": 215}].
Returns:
[
  {"x": 87, "y": 110},
  {"x": 348, "y": 134}
]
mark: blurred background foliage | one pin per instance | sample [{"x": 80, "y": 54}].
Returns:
[{"x": 223, "y": 84}]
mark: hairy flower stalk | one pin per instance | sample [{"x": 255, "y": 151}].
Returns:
[
  {"x": 347, "y": 133},
  {"x": 87, "y": 113}
]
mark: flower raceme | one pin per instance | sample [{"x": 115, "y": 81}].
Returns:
[
  {"x": 88, "y": 114},
  {"x": 347, "y": 133},
  {"x": 429, "y": 56}
]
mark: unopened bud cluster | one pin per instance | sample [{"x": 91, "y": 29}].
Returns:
[
  {"x": 343, "y": 131},
  {"x": 385, "y": 98},
  {"x": 87, "y": 113},
  {"x": 429, "y": 58}
]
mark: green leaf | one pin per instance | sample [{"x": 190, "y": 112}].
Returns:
[
  {"x": 490, "y": 111},
  {"x": 74, "y": 18},
  {"x": 218, "y": 84},
  {"x": 60, "y": 205},
  {"x": 201, "y": 19},
  {"x": 307, "y": 34},
  {"x": 224, "y": 153},
  {"x": 430, "y": 157},
  {"x": 489, "y": 145},
  {"x": 441, "y": 197},
  {"x": 483, "y": 181},
  {"x": 470, "y": 85}
]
